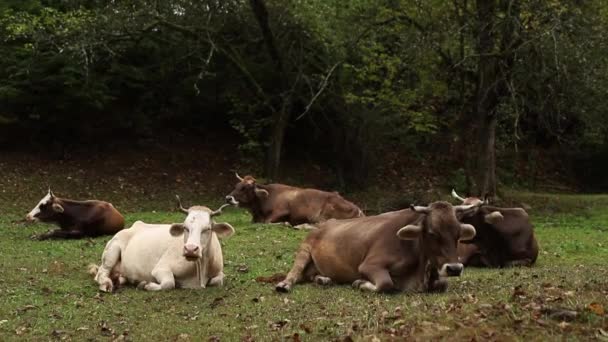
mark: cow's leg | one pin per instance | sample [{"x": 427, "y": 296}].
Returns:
[
  {"x": 109, "y": 259},
  {"x": 321, "y": 280},
  {"x": 277, "y": 216},
  {"x": 296, "y": 274},
  {"x": 60, "y": 234},
  {"x": 164, "y": 278},
  {"x": 379, "y": 278},
  {"x": 218, "y": 280},
  {"x": 305, "y": 226}
]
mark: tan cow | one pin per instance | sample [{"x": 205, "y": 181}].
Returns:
[
  {"x": 408, "y": 250},
  {"x": 164, "y": 256},
  {"x": 278, "y": 203}
]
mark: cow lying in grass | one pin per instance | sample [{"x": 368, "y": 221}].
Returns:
[
  {"x": 408, "y": 250},
  {"x": 164, "y": 256},
  {"x": 279, "y": 203},
  {"x": 76, "y": 219},
  {"x": 505, "y": 237}
]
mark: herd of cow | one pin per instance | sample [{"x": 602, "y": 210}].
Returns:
[{"x": 413, "y": 249}]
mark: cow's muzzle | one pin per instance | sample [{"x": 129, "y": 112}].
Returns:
[
  {"x": 30, "y": 218},
  {"x": 451, "y": 270},
  {"x": 192, "y": 252},
  {"x": 231, "y": 200}
]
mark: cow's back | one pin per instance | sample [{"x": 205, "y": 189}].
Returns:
[
  {"x": 144, "y": 249},
  {"x": 340, "y": 246}
]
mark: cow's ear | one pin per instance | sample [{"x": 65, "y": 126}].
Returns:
[
  {"x": 467, "y": 232},
  {"x": 177, "y": 229},
  {"x": 223, "y": 229},
  {"x": 494, "y": 217},
  {"x": 261, "y": 193},
  {"x": 409, "y": 232},
  {"x": 57, "y": 208}
]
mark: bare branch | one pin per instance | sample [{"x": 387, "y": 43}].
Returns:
[{"x": 321, "y": 89}]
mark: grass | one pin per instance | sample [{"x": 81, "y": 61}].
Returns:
[{"x": 45, "y": 292}]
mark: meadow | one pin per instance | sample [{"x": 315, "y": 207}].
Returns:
[{"x": 46, "y": 293}]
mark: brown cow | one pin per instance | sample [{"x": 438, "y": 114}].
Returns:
[
  {"x": 408, "y": 250},
  {"x": 505, "y": 237},
  {"x": 76, "y": 219},
  {"x": 272, "y": 203}
]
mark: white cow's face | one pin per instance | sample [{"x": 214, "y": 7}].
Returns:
[
  {"x": 197, "y": 230},
  {"x": 46, "y": 210}
]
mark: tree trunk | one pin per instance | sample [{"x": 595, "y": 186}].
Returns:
[
  {"x": 486, "y": 103},
  {"x": 280, "y": 117}
]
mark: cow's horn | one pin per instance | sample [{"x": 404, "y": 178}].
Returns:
[
  {"x": 465, "y": 208},
  {"x": 420, "y": 209},
  {"x": 455, "y": 195},
  {"x": 179, "y": 205},
  {"x": 238, "y": 177},
  {"x": 219, "y": 211}
]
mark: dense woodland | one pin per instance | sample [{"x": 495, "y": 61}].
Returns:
[{"x": 488, "y": 85}]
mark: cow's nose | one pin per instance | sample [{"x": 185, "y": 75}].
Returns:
[
  {"x": 229, "y": 199},
  {"x": 453, "y": 270},
  {"x": 29, "y": 217},
  {"x": 191, "y": 249}
]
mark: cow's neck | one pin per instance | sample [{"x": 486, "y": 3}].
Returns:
[
  {"x": 66, "y": 219},
  {"x": 426, "y": 273}
]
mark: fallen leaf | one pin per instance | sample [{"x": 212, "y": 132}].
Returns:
[
  {"x": 597, "y": 309},
  {"x": 273, "y": 279},
  {"x": 564, "y": 325}
]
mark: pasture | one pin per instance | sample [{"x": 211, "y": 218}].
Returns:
[{"x": 46, "y": 293}]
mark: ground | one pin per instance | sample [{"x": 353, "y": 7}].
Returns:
[{"x": 46, "y": 293}]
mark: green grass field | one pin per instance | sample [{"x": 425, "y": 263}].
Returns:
[{"x": 46, "y": 293}]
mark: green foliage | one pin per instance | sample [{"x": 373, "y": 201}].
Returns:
[{"x": 361, "y": 76}]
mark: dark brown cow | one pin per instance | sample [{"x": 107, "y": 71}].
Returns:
[
  {"x": 505, "y": 237},
  {"x": 76, "y": 219},
  {"x": 408, "y": 250},
  {"x": 271, "y": 203}
]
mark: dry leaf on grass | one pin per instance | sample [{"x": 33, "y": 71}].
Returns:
[{"x": 596, "y": 308}]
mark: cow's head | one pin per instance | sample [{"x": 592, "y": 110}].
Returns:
[
  {"x": 245, "y": 192},
  {"x": 198, "y": 229},
  {"x": 46, "y": 210},
  {"x": 491, "y": 217},
  {"x": 438, "y": 232}
]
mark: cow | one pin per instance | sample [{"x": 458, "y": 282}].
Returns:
[
  {"x": 411, "y": 250},
  {"x": 76, "y": 219},
  {"x": 505, "y": 236},
  {"x": 164, "y": 256},
  {"x": 278, "y": 203}
]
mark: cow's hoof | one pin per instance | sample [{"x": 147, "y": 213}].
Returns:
[
  {"x": 38, "y": 237},
  {"x": 282, "y": 287},
  {"x": 357, "y": 283},
  {"x": 142, "y": 285},
  {"x": 107, "y": 286},
  {"x": 320, "y": 280}
]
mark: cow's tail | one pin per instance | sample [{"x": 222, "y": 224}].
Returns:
[{"x": 92, "y": 269}]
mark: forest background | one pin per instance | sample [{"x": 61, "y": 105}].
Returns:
[{"x": 345, "y": 95}]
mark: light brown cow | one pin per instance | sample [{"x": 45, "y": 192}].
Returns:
[
  {"x": 76, "y": 219},
  {"x": 271, "y": 203},
  {"x": 505, "y": 237},
  {"x": 408, "y": 250}
]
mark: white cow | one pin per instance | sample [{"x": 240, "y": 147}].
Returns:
[{"x": 163, "y": 256}]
